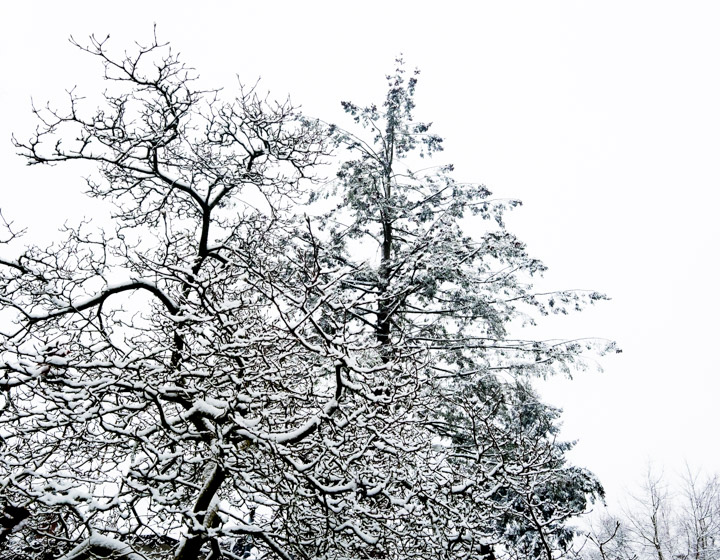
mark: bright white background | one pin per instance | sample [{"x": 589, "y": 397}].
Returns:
[{"x": 603, "y": 117}]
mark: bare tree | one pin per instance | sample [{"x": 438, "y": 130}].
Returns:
[
  {"x": 680, "y": 525},
  {"x": 650, "y": 521},
  {"x": 699, "y": 516},
  {"x": 608, "y": 539},
  {"x": 221, "y": 375}
]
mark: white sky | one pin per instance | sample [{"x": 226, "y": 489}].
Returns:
[{"x": 603, "y": 117}]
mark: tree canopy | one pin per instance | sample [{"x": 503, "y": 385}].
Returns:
[{"x": 258, "y": 360}]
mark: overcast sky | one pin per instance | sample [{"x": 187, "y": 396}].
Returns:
[{"x": 603, "y": 117}]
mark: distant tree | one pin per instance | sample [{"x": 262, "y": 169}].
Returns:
[
  {"x": 661, "y": 524},
  {"x": 227, "y": 373},
  {"x": 650, "y": 526},
  {"x": 608, "y": 540},
  {"x": 699, "y": 516}
]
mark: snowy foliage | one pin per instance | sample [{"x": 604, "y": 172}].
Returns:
[{"x": 236, "y": 371}]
